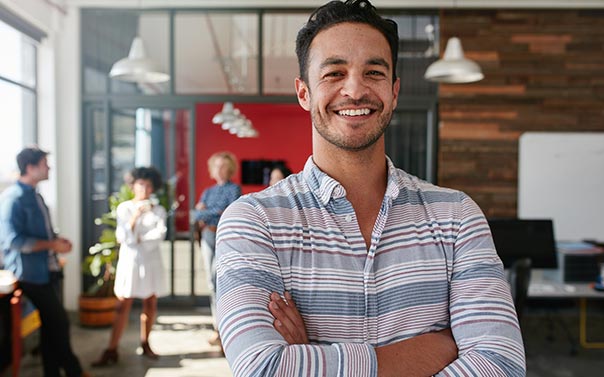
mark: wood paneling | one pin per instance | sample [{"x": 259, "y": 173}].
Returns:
[{"x": 544, "y": 71}]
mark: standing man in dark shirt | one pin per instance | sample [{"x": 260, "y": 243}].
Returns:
[{"x": 29, "y": 247}]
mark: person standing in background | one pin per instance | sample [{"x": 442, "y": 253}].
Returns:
[
  {"x": 278, "y": 172},
  {"x": 141, "y": 227},
  {"x": 30, "y": 247},
  {"x": 213, "y": 201}
]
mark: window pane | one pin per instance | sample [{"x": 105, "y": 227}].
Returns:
[
  {"x": 138, "y": 140},
  {"x": 107, "y": 37},
  {"x": 18, "y": 56},
  {"x": 279, "y": 50},
  {"x": 122, "y": 146},
  {"x": 216, "y": 53},
  {"x": 17, "y": 107},
  {"x": 99, "y": 166}
]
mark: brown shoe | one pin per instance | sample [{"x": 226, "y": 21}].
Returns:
[{"x": 148, "y": 352}]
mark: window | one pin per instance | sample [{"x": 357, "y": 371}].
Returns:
[
  {"x": 216, "y": 53},
  {"x": 18, "y": 98}
]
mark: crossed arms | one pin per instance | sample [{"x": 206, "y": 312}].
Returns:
[{"x": 423, "y": 355}]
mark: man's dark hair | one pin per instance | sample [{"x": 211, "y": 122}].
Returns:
[
  {"x": 29, "y": 156},
  {"x": 336, "y": 12},
  {"x": 148, "y": 173}
]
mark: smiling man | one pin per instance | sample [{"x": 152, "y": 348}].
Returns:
[{"x": 353, "y": 267}]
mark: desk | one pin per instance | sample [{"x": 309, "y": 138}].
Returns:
[{"x": 542, "y": 287}]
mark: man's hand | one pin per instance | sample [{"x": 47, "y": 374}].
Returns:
[
  {"x": 288, "y": 321},
  {"x": 61, "y": 245}
]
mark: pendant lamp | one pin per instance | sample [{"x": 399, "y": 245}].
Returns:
[
  {"x": 137, "y": 67},
  {"x": 234, "y": 122},
  {"x": 454, "y": 68}
]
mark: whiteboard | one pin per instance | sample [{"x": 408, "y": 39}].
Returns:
[{"x": 561, "y": 176}]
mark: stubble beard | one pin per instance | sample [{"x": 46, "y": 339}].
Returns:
[{"x": 322, "y": 127}]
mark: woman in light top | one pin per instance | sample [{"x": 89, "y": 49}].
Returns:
[{"x": 141, "y": 227}]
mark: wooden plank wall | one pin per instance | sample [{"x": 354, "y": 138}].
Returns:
[{"x": 544, "y": 71}]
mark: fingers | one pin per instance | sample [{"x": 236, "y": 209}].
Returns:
[{"x": 288, "y": 321}]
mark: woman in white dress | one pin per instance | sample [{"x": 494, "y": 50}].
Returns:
[{"x": 141, "y": 227}]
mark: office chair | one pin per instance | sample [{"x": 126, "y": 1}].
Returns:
[{"x": 519, "y": 279}]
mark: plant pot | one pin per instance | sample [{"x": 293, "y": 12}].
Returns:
[{"x": 97, "y": 311}]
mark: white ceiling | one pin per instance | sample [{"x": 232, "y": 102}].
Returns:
[{"x": 313, "y": 3}]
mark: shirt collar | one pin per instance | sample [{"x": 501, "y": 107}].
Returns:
[
  {"x": 25, "y": 186},
  {"x": 326, "y": 188}
]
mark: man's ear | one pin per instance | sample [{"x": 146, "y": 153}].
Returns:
[
  {"x": 395, "y": 89},
  {"x": 302, "y": 93}
]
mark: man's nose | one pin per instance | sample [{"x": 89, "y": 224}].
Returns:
[{"x": 354, "y": 86}]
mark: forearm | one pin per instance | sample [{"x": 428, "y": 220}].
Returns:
[
  {"x": 34, "y": 245},
  {"x": 254, "y": 348},
  {"x": 423, "y": 355}
]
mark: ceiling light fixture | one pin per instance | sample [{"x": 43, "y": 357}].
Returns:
[
  {"x": 454, "y": 68},
  {"x": 137, "y": 67},
  {"x": 234, "y": 122}
]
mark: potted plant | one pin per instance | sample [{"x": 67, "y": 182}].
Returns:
[{"x": 97, "y": 305}]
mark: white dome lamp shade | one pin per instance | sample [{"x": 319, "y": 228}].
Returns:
[
  {"x": 137, "y": 67},
  {"x": 454, "y": 68}
]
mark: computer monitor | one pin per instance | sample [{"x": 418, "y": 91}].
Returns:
[{"x": 520, "y": 238}]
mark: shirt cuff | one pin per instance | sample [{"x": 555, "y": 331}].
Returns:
[{"x": 356, "y": 359}]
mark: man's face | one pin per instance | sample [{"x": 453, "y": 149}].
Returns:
[
  {"x": 39, "y": 172},
  {"x": 349, "y": 93}
]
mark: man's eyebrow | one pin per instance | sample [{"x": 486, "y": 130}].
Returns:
[
  {"x": 378, "y": 61},
  {"x": 338, "y": 61},
  {"x": 332, "y": 61}
]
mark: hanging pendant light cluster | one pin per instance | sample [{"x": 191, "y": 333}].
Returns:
[{"x": 234, "y": 122}]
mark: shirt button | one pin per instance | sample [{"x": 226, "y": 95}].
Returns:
[{"x": 348, "y": 218}]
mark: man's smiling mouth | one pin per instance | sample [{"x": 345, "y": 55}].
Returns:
[{"x": 354, "y": 112}]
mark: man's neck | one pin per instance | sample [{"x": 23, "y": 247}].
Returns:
[
  {"x": 364, "y": 177},
  {"x": 28, "y": 181},
  {"x": 360, "y": 172}
]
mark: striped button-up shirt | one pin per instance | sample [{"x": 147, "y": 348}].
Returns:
[{"x": 431, "y": 265}]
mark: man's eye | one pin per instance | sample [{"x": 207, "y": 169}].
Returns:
[
  {"x": 376, "y": 73},
  {"x": 334, "y": 74}
]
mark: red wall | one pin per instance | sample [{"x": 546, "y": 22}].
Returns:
[{"x": 284, "y": 134}]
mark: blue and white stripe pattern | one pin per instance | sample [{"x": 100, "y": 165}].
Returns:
[{"x": 431, "y": 265}]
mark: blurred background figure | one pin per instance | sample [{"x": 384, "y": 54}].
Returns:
[
  {"x": 278, "y": 172},
  {"x": 141, "y": 227},
  {"x": 30, "y": 250},
  {"x": 213, "y": 201}
]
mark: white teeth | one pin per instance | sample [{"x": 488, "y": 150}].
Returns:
[{"x": 356, "y": 112}]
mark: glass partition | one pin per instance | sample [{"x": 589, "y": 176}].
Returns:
[
  {"x": 107, "y": 38},
  {"x": 216, "y": 53},
  {"x": 280, "y": 65}
]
